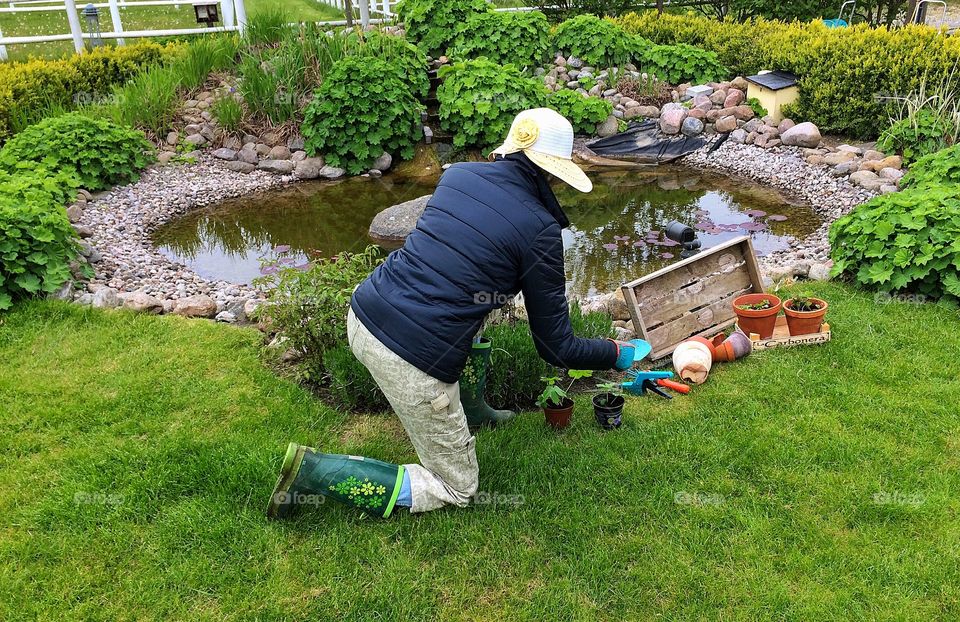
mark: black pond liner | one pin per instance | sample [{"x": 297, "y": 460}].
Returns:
[
  {"x": 609, "y": 417},
  {"x": 643, "y": 142}
]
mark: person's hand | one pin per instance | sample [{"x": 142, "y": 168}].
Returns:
[{"x": 625, "y": 353}]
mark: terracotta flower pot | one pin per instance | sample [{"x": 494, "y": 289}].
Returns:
[
  {"x": 559, "y": 418},
  {"x": 804, "y": 322},
  {"x": 608, "y": 409},
  {"x": 760, "y": 321}
]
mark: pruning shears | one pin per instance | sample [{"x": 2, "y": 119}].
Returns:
[{"x": 654, "y": 381}]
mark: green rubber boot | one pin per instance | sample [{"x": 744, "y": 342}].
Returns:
[
  {"x": 307, "y": 474},
  {"x": 473, "y": 381}
]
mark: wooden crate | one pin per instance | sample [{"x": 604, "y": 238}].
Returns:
[
  {"x": 693, "y": 297},
  {"x": 782, "y": 339}
]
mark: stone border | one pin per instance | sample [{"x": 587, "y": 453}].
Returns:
[{"x": 118, "y": 225}]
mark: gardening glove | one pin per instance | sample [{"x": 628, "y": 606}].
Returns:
[{"x": 625, "y": 353}]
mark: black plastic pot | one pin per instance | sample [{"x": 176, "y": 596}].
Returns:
[{"x": 608, "y": 409}]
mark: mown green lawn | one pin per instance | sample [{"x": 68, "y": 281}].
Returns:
[
  {"x": 25, "y": 24},
  {"x": 136, "y": 454}
]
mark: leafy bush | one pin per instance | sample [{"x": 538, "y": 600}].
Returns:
[
  {"x": 398, "y": 52},
  {"x": 841, "y": 70},
  {"x": 521, "y": 38},
  {"x": 307, "y": 305},
  {"x": 683, "y": 63},
  {"x": 432, "y": 24},
  {"x": 582, "y": 111},
  {"x": 905, "y": 240},
  {"x": 36, "y": 247},
  {"x": 28, "y": 91},
  {"x": 102, "y": 154},
  {"x": 942, "y": 167},
  {"x": 350, "y": 383},
  {"x": 363, "y": 108},
  {"x": 32, "y": 181},
  {"x": 479, "y": 98},
  {"x": 598, "y": 42},
  {"x": 513, "y": 380},
  {"x": 922, "y": 134}
]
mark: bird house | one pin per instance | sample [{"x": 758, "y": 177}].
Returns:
[{"x": 774, "y": 90}]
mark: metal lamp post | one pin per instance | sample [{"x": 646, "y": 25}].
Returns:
[{"x": 92, "y": 16}]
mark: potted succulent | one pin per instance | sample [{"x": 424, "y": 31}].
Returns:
[
  {"x": 757, "y": 313},
  {"x": 804, "y": 314},
  {"x": 608, "y": 405},
  {"x": 555, "y": 400}
]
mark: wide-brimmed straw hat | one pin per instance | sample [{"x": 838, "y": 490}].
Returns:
[{"x": 546, "y": 138}]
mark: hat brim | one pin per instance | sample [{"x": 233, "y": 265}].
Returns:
[{"x": 563, "y": 168}]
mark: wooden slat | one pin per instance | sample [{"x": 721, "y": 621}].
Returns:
[{"x": 694, "y": 296}]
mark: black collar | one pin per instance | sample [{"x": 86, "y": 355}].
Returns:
[{"x": 542, "y": 187}]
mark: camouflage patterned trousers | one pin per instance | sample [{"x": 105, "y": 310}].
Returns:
[{"x": 433, "y": 417}]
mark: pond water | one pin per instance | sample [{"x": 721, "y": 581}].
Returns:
[{"x": 615, "y": 234}]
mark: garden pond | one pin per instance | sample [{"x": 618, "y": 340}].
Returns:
[{"x": 615, "y": 234}]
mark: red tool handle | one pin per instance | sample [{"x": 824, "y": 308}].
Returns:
[{"x": 679, "y": 387}]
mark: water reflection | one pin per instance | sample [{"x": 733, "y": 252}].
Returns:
[{"x": 613, "y": 236}]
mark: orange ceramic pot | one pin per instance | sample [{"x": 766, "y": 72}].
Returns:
[
  {"x": 759, "y": 321},
  {"x": 804, "y": 322}
]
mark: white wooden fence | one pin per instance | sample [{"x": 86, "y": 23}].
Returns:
[{"x": 233, "y": 15}]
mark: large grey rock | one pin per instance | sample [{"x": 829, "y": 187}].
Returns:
[
  {"x": 199, "y": 305},
  {"x": 279, "y": 167},
  {"x": 142, "y": 303},
  {"x": 106, "y": 298},
  {"x": 395, "y": 223},
  {"x": 691, "y": 127},
  {"x": 867, "y": 179},
  {"x": 280, "y": 152},
  {"x": 239, "y": 167},
  {"x": 738, "y": 136},
  {"x": 225, "y": 154},
  {"x": 819, "y": 272},
  {"x": 332, "y": 172},
  {"x": 384, "y": 162},
  {"x": 308, "y": 168},
  {"x": 295, "y": 143},
  {"x": 609, "y": 127},
  {"x": 248, "y": 154},
  {"x": 803, "y": 135}
]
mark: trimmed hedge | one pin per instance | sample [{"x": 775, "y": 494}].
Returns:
[
  {"x": 844, "y": 72},
  {"x": 27, "y": 89}
]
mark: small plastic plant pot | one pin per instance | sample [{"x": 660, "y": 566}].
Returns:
[
  {"x": 608, "y": 409},
  {"x": 558, "y": 418},
  {"x": 804, "y": 322},
  {"x": 759, "y": 321}
]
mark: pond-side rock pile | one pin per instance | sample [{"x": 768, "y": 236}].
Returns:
[{"x": 130, "y": 272}]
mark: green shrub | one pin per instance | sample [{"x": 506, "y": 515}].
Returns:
[
  {"x": 33, "y": 181},
  {"x": 922, "y": 133},
  {"x": 308, "y": 304},
  {"x": 683, "y": 63},
  {"x": 479, "y": 98},
  {"x": 36, "y": 247},
  {"x": 432, "y": 24},
  {"x": 521, "y": 38},
  {"x": 363, "y": 108},
  {"x": 350, "y": 384},
  {"x": 582, "y": 111},
  {"x": 907, "y": 240},
  {"x": 398, "y": 52},
  {"x": 842, "y": 70},
  {"x": 942, "y": 167},
  {"x": 513, "y": 380},
  {"x": 30, "y": 91},
  {"x": 597, "y": 42},
  {"x": 102, "y": 154}
]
